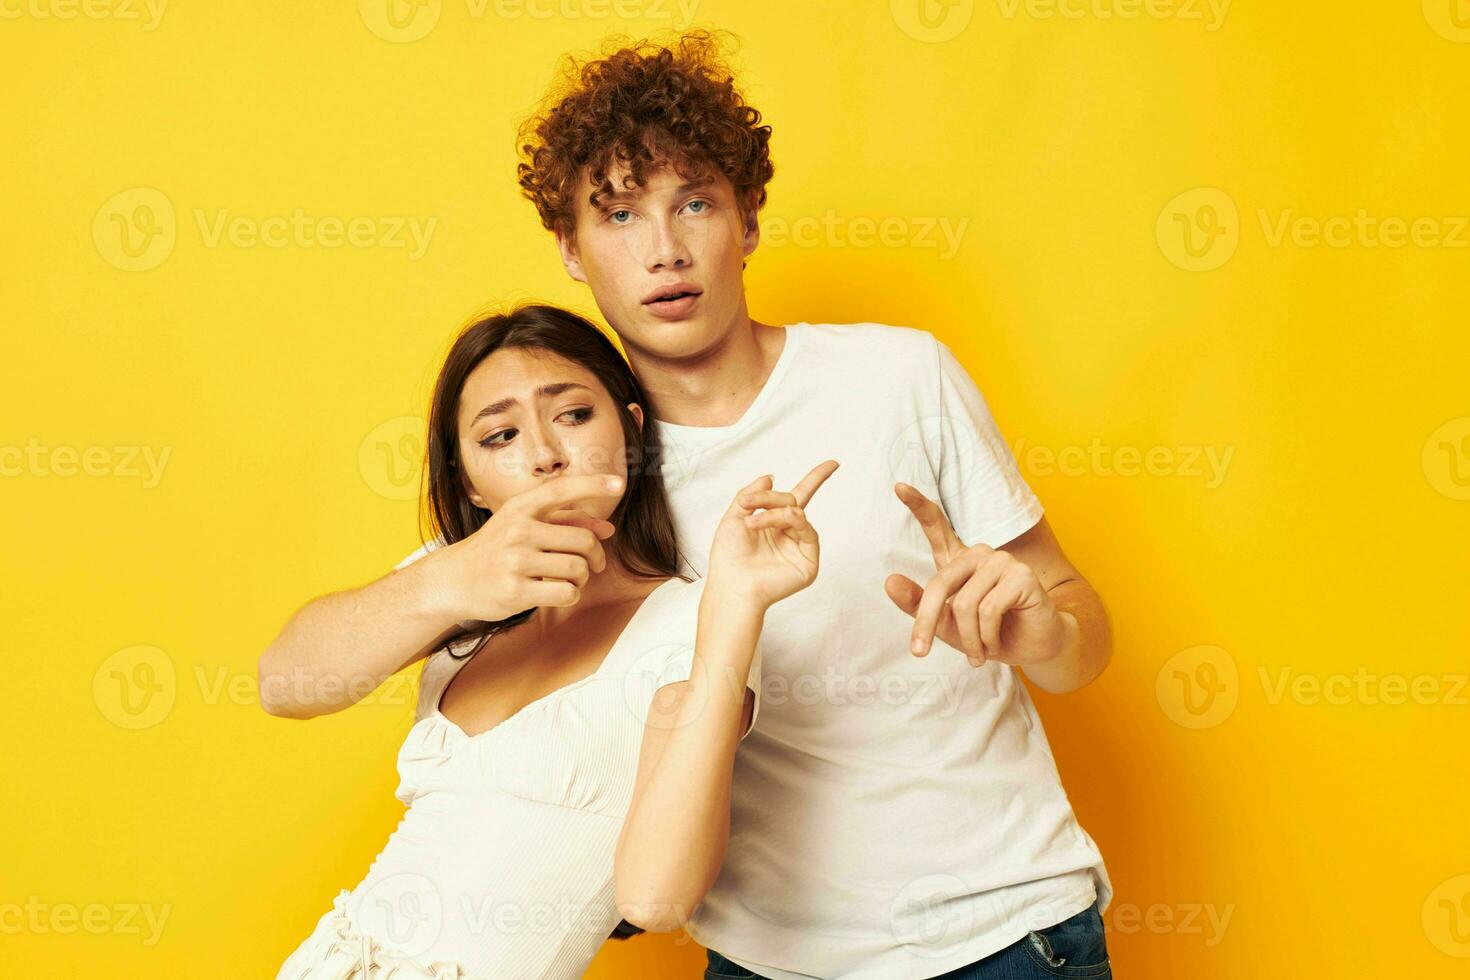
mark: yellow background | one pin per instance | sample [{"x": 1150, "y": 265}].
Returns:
[{"x": 1329, "y": 829}]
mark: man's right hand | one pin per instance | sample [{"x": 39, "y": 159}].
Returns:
[{"x": 536, "y": 550}]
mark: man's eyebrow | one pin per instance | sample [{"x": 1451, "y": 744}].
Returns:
[
  {"x": 545, "y": 391},
  {"x": 602, "y": 200}
]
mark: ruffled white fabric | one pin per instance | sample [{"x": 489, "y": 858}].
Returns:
[{"x": 337, "y": 951}]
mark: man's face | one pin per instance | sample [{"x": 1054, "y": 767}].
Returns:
[{"x": 669, "y": 237}]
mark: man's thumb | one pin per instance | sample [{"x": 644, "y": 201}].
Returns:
[{"x": 904, "y": 592}]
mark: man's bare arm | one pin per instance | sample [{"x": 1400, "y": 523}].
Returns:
[
  {"x": 536, "y": 550},
  {"x": 1022, "y": 604},
  {"x": 338, "y": 648},
  {"x": 1091, "y": 644}
]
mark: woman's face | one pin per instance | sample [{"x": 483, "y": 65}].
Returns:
[{"x": 527, "y": 416}]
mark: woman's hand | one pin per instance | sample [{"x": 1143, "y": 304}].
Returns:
[
  {"x": 537, "y": 549},
  {"x": 768, "y": 556}
]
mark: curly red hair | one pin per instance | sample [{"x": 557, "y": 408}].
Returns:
[{"x": 642, "y": 106}]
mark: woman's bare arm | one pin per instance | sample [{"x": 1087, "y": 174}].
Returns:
[{"x": 673, "y": 841}]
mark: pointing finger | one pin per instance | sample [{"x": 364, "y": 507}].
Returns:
[
  {"x": 804, "y": 490},
  {"x": 943, "y": 542}
]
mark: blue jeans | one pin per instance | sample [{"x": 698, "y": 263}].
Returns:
[{"x": 1073, "y": 948}]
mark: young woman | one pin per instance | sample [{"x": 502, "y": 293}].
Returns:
[{"x": 568, "y": 774}]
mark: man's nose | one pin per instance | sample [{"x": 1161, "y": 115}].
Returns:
[{"x": 669, "y": 247}]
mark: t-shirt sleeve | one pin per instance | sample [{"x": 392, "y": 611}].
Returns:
[
  {"x": 980, "y": 486},
  {"x": 680, "y": 662},
  {"x": 414, "y": 556},
  {"x": 417, "y": 553}
]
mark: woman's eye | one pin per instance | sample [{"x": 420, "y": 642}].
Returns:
[
  {"x": 580, "y": 415},
  {"x": 493, "y": 440}
]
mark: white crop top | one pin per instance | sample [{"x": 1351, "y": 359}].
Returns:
[{"x": 503, "y": 862}]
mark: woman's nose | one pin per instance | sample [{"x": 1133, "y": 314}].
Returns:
[{"x": 549, "y": 459}]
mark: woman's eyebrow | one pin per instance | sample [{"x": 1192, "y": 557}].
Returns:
[{"x": 545, "y": 391}]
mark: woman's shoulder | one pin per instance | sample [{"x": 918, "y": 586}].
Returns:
[{"x": 668, "y": 618}]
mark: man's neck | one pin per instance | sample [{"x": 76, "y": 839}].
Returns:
[{"x": 715, "y": 388}]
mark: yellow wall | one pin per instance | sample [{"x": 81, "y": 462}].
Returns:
[{"x": 202, "y": 431}]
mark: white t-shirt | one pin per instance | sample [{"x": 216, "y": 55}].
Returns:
[
  {"x": 892, "y": 816},
  {"x": 503, "y": 861}
]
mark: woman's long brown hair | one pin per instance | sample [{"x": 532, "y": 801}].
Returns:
[{"x": 645, "y": 542}]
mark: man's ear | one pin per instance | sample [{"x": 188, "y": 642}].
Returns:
[
  {"x": 752, "y": 225},
  {"x": 637, "y": 411},
  {"x": 571, "y": 257}
]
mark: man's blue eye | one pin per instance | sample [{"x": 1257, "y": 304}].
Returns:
[
  {"x": 612, "y": 217},
  {"x": 702, "y": 204}
]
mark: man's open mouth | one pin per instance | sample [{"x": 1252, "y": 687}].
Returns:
[{"x": 670, "y": 294}]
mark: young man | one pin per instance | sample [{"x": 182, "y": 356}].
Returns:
[{"x": 896, "y": 811}]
